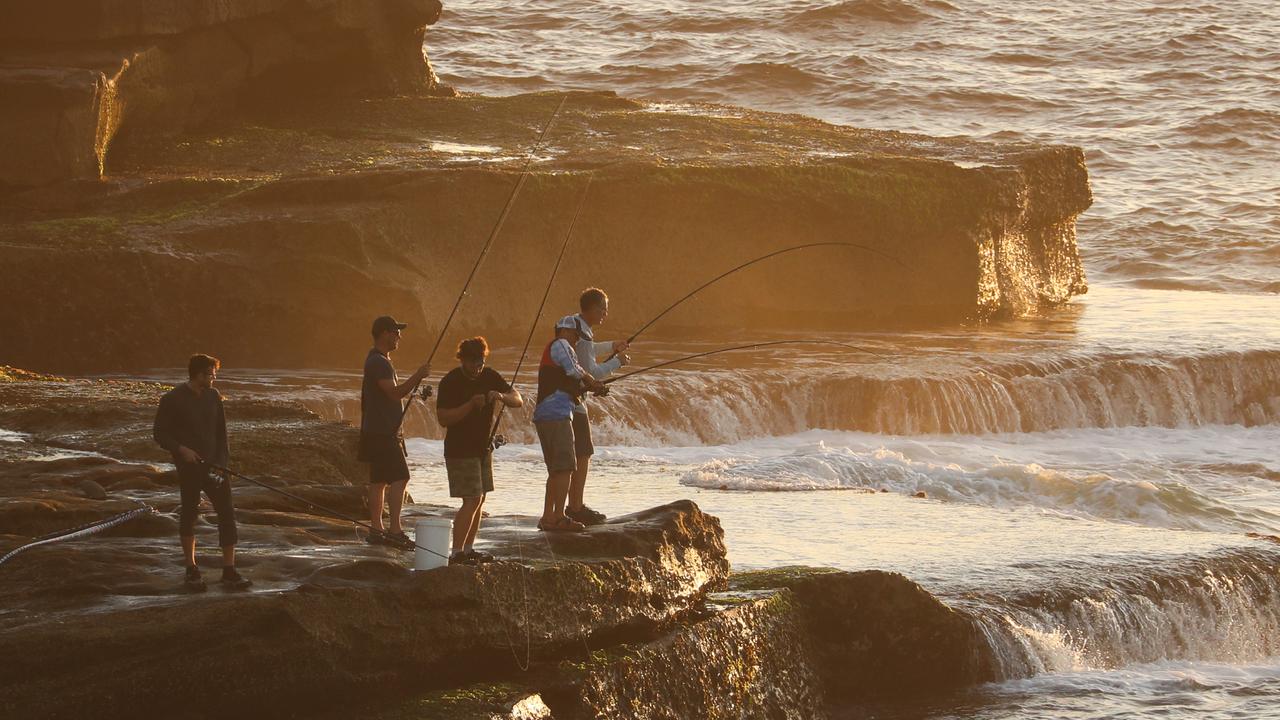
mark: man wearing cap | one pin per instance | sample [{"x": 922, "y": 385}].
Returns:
[
  {"x": 561, "y": 381},
  {"x": 381, "y": 438},
  {"x": 594, "y": 306},
  {"x": 464, "y": 406}
]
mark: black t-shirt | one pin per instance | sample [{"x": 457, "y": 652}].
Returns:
[
  {"x": 379, "y": 414},
  {"x": 469, "y": 437}
]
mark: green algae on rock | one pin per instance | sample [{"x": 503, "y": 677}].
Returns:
[{"x": 387, "y": 201}]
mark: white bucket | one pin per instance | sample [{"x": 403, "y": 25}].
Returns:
[{"x": 435, "y": 534}]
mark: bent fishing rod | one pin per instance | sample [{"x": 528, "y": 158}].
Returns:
[
  {"x": 497, "y": 227},
  {"x": 744, "y": 266},
  {"x": 311, "y": 505},
  {"x": 495, "y": 440},
  {"x": 735, "y": 348}
]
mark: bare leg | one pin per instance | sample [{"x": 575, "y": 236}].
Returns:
[
  {"x": 579, "y": 483},
  {"x": 229, "y": 556},
  {"x": 396, "y": 502},
  {"x": 377, "y": 493},
  {"x": 189, "y": 549},
  {"x": 557, "y": 489},
  {"x": 465, "y": 521},
  {"x": 475, "y": 523}
]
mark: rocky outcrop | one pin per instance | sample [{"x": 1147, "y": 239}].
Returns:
[
  {"x": 877, "y": 634},
  {"x": 367, "y": 623},
  {"x": 750, "y": 661},
  {"x": 91, "y": 627},
  {"x": 73, "y": 72},
  {"x": 274, "y": 241}
]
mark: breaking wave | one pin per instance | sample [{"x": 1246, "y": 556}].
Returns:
[
  {"x": 726, "y": 406},
  {"x": 1224, "y": 607},
  {"x": 1168, "y": 504}
]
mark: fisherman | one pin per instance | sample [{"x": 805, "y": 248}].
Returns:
[
  {"x": 593, "y": 304},
  {"x": 381, "y": 437},
  {"x": 464, "y": 407},
  {"x": 191, "y": 425},
  {"x": 561, "y": 382}
]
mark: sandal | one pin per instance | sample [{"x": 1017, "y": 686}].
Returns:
[
  {"x": 479, "y": 556},
  {"x": 562, "y": 524},
  {"x": 401, "y": 540}
]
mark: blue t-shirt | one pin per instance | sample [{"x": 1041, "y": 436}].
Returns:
[{"x": 559, "y": 405}]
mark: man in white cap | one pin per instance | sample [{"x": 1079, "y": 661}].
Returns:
[{"x": 561, "y": 382}]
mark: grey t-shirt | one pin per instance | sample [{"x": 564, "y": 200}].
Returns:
[{"x": 379, "y": 414}]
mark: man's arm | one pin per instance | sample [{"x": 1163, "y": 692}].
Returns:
[
  {"x": 588, "y": 352},
  {"x": 223, "y": 454},
  {"x": 162, "y": 430},
  {"x": 165, "y": 431},
  {"x": 505, "y": 392},
  {"x": 450, "y": 416},
  {"x": 563, "y": 355},
  {"x": 397, "y": 392}
]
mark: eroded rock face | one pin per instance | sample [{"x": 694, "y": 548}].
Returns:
[
  {"x": 877, "y": 634},
  {"x": 751, "y": 661},
  {"x": 72, "y": 72},
  {"x": 367, "y": 624},
  {"x": 306, "y": 223}
]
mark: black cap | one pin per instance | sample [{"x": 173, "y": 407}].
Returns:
[{"x": 385, "y": 323}]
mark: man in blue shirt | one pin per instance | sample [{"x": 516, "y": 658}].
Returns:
[{"x": 561, "y": 382}]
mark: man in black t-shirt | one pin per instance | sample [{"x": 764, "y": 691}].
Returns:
[
  {"x": 381, "y": 437},
  {"x": 464, "y": 406}
]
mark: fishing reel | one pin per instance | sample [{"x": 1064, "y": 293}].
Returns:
[
  {"x": 425, "y": 393},
  {"x": 498, "y": 441}
]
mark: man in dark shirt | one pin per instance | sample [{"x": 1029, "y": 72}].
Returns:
[
  {"x": 464, "y": 406},
  {"x": 191, "y": 425},
  {"x": 381, "y": 438}
]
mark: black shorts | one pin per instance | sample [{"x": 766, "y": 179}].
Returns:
[
  {"x": 582, "y": 446},
  {"x": 386, "y": 457}
]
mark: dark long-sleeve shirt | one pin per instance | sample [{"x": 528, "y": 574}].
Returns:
[{"x": 194, "y": 421}]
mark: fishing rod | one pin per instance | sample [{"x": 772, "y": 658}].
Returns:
[
  {"x": 744, "y": 266},
  {"x": 310, "y": 504},
  {"x": 495, "y": 440},
  {"x": 735, "y": 348},
  {"x": 497, "y": 226}
]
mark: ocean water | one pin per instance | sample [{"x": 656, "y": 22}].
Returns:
[
  {"x": 1090, "y": 477},
  {"x": 1175, "y": 103}
]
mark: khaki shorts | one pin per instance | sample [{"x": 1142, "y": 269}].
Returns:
[
  {"x": 556, "y": 438},
  {"x": 470, "y": 477}
]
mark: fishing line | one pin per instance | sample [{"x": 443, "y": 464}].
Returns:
[
  {"x": 496, "y": 441},
  {"x": 310, "y": 504},
  {"x": 81, "y": 531},
  {"x": 746, "y": 265},
  {"x": 735, "y": 348},
  {"x": 497, "y": 226}
]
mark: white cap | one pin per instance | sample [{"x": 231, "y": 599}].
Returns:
[{"x": 574, "y": 322}]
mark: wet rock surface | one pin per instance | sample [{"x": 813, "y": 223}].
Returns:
[
  {"x": 97, "y": 626},
  {"x": 388, "y": 201}
]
